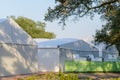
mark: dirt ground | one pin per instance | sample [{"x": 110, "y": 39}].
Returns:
[
  {"x": 93, "y": 76},
  {"x": 99, "y": 76}
]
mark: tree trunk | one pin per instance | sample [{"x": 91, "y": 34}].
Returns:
[{"x": 118, "y": 48}]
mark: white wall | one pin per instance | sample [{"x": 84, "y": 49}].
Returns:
[
  {"x": 17, "y": 59},
  {"x": 18, "y": 52},
  {"x": 48, "y": 60},
  {"x": 64, "y": 55}
]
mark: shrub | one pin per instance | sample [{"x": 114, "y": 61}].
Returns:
[{"x": 53, "y": 76}]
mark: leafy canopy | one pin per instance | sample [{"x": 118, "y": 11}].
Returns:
[
  {"x": 34, "y": 29},
  {"x": 110, "y": 33},
  {"x": 79, "y": 8},
  {"x": 107, "y": 9}
]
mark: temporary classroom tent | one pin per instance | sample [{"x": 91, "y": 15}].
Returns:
[
  {"x": 18, "y": 52},
  {"x": 52, "y": 54}
]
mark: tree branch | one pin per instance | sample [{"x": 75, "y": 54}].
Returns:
[{"x": 103, "y": 4}]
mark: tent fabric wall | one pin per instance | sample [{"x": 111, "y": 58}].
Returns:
[
  {"x": 18, "y": 52},
  {"x": 60, "y": 50},
  {"x": 110, "y": 51},
  {"x": 48, "y": 60},
  {"x": 64, "y": 55},
  {"x": 80, "y": 47},
  {"x": 11, "y": 32}
]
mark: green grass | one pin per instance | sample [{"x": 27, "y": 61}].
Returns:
[{"x": 90, "y": 66}]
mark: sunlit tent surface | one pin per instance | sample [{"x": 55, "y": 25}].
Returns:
[
  {"x": 18, "y": 52},
  {"x": 52, "y": 54}
]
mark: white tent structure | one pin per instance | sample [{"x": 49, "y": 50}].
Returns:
[
  {"x": 18, "y": 52},
  {"x": 111, "y": 53},
  {"x": 52, "y": 54},
  {"x": 107, "y": 54}
]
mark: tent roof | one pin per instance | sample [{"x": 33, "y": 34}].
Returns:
[
  {"x": 54, "y": 43},
  {"x": 38, "y": 40},
  {"x": 67, "y": 43},
  {"x": 2, "y": 19},
  {"x": 11, "y": 32},
  {"x": 111, "y": 49}
]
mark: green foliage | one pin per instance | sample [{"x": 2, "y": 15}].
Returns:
[
  {"x": 40, "y": 25},
  {"x": 61, "y": 76},
  {"x": 34, "y": 29},
  {"x": 52, "y": 76},
  {"x": 79, "y": 8},
  {"x": 69, "y": 76},
  {"x": 110, "y": 33},
  {"x": 88, "y": 66},
  {"x": 113, "y": 79},
  {"x": 33, "y": 77}
]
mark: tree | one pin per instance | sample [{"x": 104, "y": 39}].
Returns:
[
  {"x": 34, "y": 29},
  {"x": 108, "y": 9},
  {"x": 79, "y": 8},
  {"x": 110, "y": 33},
  {"x": 41, "y": 25}
]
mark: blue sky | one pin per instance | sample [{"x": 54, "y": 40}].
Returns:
[{"x": 35, "y": 9}]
